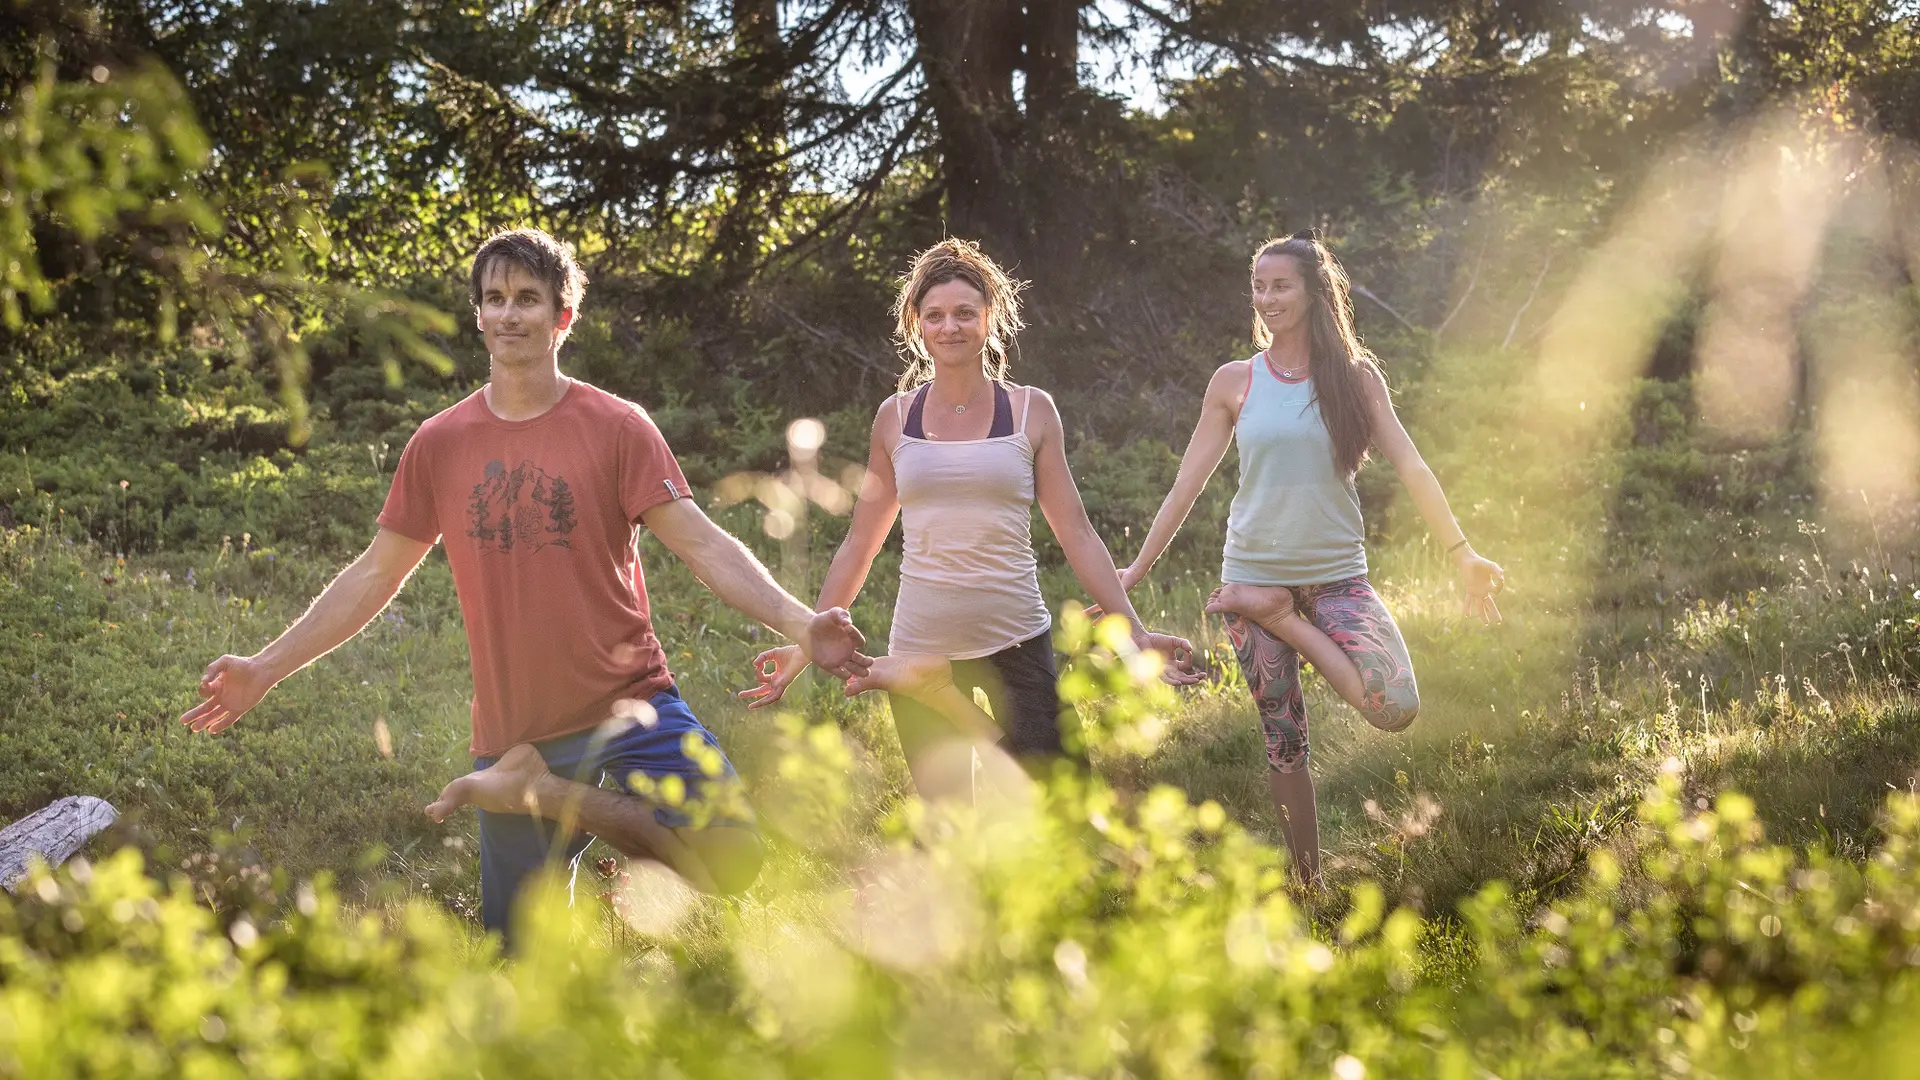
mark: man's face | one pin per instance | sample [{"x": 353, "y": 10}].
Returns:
[{"x": 519, "y": 316}]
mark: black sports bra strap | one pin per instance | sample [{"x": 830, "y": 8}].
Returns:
[
  {"x": 916, "y": 426},
  {"x": 1002, "y": 413}
]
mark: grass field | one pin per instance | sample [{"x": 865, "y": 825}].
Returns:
[
  {"x": 1644, "y": 623},
  {"x": 1545, "y": 876}
]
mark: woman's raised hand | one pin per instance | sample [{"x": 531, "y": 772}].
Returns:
[
  {"x": 775, "y": 669},
  {"x": 1481, "y": 579}
]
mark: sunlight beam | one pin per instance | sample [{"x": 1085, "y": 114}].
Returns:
[{"x": 1779, "y": 199}]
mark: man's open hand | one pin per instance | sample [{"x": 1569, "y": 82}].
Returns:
[{"x": 229, "y": 687}]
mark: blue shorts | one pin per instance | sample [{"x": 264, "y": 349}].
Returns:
[{"x": 633, "y": 760}]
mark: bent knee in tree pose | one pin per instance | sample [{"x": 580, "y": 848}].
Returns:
[
  {"x": 537, "y": 484},
  {"x": 1344, "y": 631},
  {"x": 1368, "y": 666},
  {"x": 1304, "y": 412},
  {"x": 962, "y": 455}
]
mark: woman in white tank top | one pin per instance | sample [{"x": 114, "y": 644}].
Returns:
[
  {"x": 962, "y": 455},
  {"x": 1304, "y": 411}
]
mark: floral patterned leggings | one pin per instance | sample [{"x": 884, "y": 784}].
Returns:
[{"x": 1351, "y": 614}]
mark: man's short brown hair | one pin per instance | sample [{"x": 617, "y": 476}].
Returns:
[{"x": 538, "y": 254}]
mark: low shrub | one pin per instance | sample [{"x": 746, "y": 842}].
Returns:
[{"x": 1093, "y": 934}]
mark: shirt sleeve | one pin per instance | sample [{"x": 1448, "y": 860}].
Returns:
[
  {"x": 409, "y": 509},
  {"x": 649, "y": 474}
]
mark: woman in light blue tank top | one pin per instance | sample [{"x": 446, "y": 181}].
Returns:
[{"x": 1304, "y": 411}]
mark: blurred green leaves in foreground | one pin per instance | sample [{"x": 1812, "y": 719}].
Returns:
[{"x": 1088, "y": 934}]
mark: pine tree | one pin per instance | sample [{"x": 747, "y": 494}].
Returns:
[
  {"x": 560, "y": 519},
  {"x": 477, "y": 513}
]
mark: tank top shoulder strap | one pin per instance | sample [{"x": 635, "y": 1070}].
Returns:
[
  {"x": 1026, "y": 408},
  {"x": 1256, "y": 368}
]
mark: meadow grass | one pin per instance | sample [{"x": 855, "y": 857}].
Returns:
[
  {"x": 1671, "y": 598},
  {"x": 1536, "y": 736},
  {"x": 1577, "y": 895}
]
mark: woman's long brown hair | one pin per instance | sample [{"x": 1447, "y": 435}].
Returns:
[{"x": 1341, "y": 364}]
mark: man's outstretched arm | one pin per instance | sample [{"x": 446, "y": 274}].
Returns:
[
  {"x": 723, "y": 564},
  {"x": 232, "y": 685}
]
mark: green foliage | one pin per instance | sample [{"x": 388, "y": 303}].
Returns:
[
  {"x": 183, "y": 451},
  {"x": 1098, "y": 932},
  {"x": 114, "y": 161},
  {"x": 90, "y": 153},
  {"x": 1540, "y": 879}
]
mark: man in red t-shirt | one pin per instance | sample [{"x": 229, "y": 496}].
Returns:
[{"x": 536, "y": 483}]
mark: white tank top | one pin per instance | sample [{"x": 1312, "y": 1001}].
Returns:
[{"x": 969, "y": 584}]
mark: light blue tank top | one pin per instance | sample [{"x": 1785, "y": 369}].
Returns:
[{"x": 1295, "y": 519}]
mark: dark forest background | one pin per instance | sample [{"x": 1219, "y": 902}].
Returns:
[{"x": 278, "y": 199}]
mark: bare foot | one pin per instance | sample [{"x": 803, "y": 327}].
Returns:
[
  {"x": 929, "y": 681},
  {"x": 508, "y": 787},
  {"x": 904, "y": 673},
  {"x": 1269, "y": 606}
]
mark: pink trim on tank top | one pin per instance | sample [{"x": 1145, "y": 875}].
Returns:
[{"x": 1267, "y": 355}]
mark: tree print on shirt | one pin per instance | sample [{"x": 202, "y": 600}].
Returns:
[{"x": 520, "y": 509}]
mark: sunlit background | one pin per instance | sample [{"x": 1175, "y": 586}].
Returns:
[{"x": 1642, "y": 277}]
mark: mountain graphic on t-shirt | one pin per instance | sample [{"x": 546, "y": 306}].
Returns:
[{"x": 522, "y": 509}]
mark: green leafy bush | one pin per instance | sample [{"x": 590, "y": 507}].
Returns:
[{"x": 1094, "y": 933}]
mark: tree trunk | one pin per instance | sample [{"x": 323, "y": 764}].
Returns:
[
  {"x": 761, "y": 192},
  {"x": 53, "y": 834},
  {"x": 1053, "y": 59},
  {"x": 969, "y": 50},
  {"x": 1057, "y": 164}
]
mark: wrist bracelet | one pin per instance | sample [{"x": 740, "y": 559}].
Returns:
[{"x": 1458, "y": 546}]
